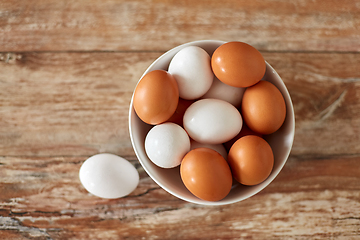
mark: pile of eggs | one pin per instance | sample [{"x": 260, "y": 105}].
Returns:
[{"x": 209, "y": 115}]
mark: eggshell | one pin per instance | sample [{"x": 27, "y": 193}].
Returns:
[
  {"x": 192, "y": 70},
  {"x": 156, "y": 97},
  {"x": 217, "y": 147},
  {"x": 238, "y": 64},
  {"x": 178, "y": 116},
  {"x": 206, "y": 174},
  {"x": 220, "y": 90},
  {"x": 251, "y": 160},
  {"x": 263, "y": 108},
  {"x": 212, "y": 121},
  {"x": 245, "y": 130},
  {"x": 108, "y": 176},
  {"x": 166, "y": 144}
]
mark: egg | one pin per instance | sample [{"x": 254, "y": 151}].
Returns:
[
  {"x": 238, "y": 64},
  {"x": 166, "y": 144},
  {"x": 263, "y": 108},
  {"x": 178, "y": 116},
  {"x": 212, "y": 121},
  {"x": 220, "y": 90},
  {"x": 217, "y": 147},
  {"x": 251, "y": 160},
  {"x": 245, "y": 130},
  {"x": 156, "y": 97},
  {"x": 108, "y": 176},
  {"x": 206, "y": 174},
  {"x": 192, "y": 70}
]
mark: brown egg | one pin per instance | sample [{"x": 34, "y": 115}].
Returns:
[
  {"x": 206, "y": 174},
  {"x": 251, "y": 160},
  {"x": 238, "y": 64},
  {"x": 263, "y": 108},
  {"x": 156, "y": 97},
  {"x": 245, "y": 130},
  {"x": 177, "y": 117}
]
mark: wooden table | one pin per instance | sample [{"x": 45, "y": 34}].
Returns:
[{"x": 67, "y": 73}]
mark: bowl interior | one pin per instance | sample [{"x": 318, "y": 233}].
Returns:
[{"x": 169, "y": 179}]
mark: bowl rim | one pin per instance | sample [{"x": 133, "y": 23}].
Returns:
[{"x": 200, "y": 201}]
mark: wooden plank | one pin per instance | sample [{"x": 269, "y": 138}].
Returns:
[
  {"x": 67, "y": 73},
  {"x": 325, "y": 93},
  {"x": 76, "y": 104},
  {"x": 68, "y": 104},
  {"x": 108, "y": 25},
  {"x": 314, "y": 198}
]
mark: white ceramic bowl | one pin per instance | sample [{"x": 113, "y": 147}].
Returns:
[{"x": 169, "y": 179}]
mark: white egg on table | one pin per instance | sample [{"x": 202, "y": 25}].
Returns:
[
  {"x": 166, "y": 144},
  {"x": 217, "y": 147},
  {"x": 191, "y": 68},
  {"x": 108, "y": 176},
  {"x": 220, "y": 90},
  {"x": 212, "y": 121}
]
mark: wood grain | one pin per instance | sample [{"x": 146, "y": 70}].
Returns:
[
  {"x": 107, "y": 25},
  {"x": 325, "y": 92},
  {"x": 312, "y": 198},
  {"x": 60, "y": 108},
  {"x": 76, "y": 104},
  {"x": 68, "y": 104},
  {"x": 67, "y": 73}
]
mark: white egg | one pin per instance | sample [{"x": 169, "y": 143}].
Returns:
[
  {"x": 212, "y": 121},
  {"x": 220, "y": 90},
  {"x": 191, "y": 67},
  {"x": 166, "y": 144},
  {"x": 217, "y": 147},
  {"x": 108, "y": 176}
]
